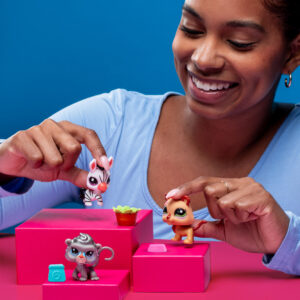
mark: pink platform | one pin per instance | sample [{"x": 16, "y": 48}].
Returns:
[
  {"x": 40, "y": 241},
  {"x": 235, "y": 274},
  {"x": 181, "y": 269},
  {"x": 112, "y": 285}
]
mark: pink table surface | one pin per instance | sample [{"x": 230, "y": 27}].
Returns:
[{"x": 234, "y": 275}]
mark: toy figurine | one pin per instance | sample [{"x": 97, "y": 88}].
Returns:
[
  {"x": 97, "y": 182},
  {"x": 178, "y": 212},
  {"x": 85, "y": 252}
]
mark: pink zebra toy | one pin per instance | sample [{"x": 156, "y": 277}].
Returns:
[{"x": 97, "y": 182}]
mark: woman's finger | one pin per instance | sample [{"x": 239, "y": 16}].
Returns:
[
  {"x": 52, "y": 157},
  {"x": 74, "y": 175},
  {"x": 245, "y": 209},
  {"x": 194, "y": 186},
  {"x": 90, "y": 138},
  {"x": 228, "y": 211},
  {"x": 69, "y": 148},
  {"x": 239, "y": 206},
  {"x": 213, "y": 230},
  {"x": 20, "y": 150},
  {"x": 212, "y": 193}
]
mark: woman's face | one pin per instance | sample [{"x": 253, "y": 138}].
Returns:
[{"x": 228, "y": 55}]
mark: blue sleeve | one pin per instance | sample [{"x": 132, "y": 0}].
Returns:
[
  {"x": 287, "y": 257},
  {"x": 17, "y": 208},
  {"x": 101, "y": 113}
]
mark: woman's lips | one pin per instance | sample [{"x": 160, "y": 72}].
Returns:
[{"x": 210, "y": 91}]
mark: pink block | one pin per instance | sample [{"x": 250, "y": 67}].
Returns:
[
  {"x": 40, "y": 241},
  {"x": 181, "y": 269},
  {"x": 112, "y": 285}
]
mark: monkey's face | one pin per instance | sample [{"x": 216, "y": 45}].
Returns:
[{"x": 82, "y": 254}]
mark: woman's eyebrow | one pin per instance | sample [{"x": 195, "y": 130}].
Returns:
[
  {"x": 245, "y": 24},
  {"x": 234, "y": 24},
  {"x": 191, "y": 11}
]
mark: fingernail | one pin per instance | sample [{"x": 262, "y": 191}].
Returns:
[
  {"x": 104, "y": 162},
  {"x": 172, "y": 193}
]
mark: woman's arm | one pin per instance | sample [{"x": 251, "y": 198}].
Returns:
[
  {"x": 47, "y": 154},
  {"x": 15, "y": 209}
]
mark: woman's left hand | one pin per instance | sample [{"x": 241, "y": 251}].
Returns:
[{"x": 248, "y": 216}]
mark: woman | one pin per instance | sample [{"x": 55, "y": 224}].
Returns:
[{"x": 229, "y": 56}]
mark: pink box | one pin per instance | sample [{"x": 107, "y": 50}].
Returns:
[
  {"x": 181, "y": 269},
  {"x": 40, "y": 241},
  {"x": 112, "y": 285}
]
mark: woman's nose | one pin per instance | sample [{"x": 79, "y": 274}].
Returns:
[{"x": 206, "y": 57}]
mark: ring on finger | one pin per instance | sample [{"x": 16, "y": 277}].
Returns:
[{"x": 227, "y": 186}]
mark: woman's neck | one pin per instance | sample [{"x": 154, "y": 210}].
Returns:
[{"x": 229, "y": 137}]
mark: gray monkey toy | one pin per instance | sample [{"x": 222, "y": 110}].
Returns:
[{"x": 85, "y": 253}]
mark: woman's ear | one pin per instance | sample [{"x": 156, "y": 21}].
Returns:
[{"x": 293, "y": 61}]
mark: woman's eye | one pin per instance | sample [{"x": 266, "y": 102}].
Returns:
[
  {"x": 74, "y": 251},
  {"x": 89, "y": 253},
  {"x": 165, "y": 211},
  {"x": 180, "y": 212},
  {"x": 190, "y": 32},
  {"x": 242, "y": 46}
]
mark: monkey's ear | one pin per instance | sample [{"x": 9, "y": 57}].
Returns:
[
  {"x": 99, "y": 247},
  {"x": 68, "y": 242}
]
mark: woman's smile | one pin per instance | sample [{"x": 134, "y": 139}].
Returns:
[{"x": 210, "y": 91}]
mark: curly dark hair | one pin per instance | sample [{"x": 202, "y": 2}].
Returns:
[{"x": 288, "y": 12}]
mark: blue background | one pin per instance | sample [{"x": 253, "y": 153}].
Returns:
[{"x": 54, "y": 53}]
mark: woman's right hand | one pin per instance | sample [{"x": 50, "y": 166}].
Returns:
[
  {"x": 49, "y": 151},
  {"x": 248, "y": 217}
]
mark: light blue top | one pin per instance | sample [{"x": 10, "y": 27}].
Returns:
[{"x": 126, "y": 122}]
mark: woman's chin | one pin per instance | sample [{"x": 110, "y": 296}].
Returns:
[{"x": 205, "y": 111}]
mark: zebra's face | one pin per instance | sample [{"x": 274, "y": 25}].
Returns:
[{"x": 98, "y": 178}]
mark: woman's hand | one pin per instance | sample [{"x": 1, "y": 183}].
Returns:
[
  {"x": 248, "y": 216},
  {"x": 49, "y": 151}
]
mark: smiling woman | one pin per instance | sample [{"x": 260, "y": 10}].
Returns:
[
  {"x": 227, "y": 60},
  {"x": 225, "y": 131}
]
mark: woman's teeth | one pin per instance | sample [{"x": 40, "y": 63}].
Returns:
[{"x": 210, "y": 86}]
